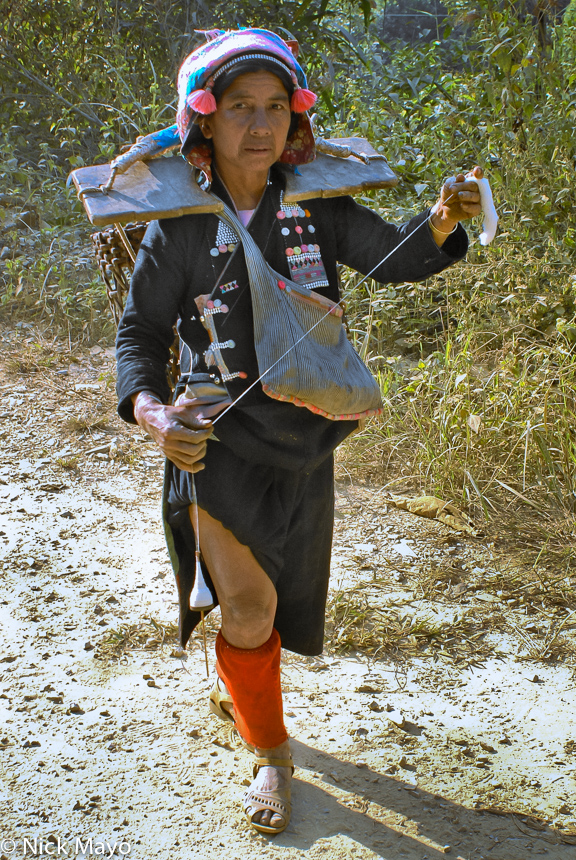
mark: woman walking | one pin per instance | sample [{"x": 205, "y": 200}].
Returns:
[{"x": 257, "y": 486}]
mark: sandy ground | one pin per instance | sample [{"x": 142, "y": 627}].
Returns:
[{"x": 415, "y": 754}]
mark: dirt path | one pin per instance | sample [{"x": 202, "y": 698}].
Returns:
[{"x": 106, "y": 739}]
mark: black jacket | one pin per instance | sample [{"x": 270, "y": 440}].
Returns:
[{"x": 175, "y": 265}]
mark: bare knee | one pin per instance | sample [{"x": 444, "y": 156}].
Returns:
[{"x": 248, "y": 619}]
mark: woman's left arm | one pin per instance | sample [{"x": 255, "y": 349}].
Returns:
[{"x": 412, "y": 251}]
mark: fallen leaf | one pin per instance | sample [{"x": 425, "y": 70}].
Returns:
[
  {"x": 474, "y": 423},
  {"x": 434, "y": 509}
]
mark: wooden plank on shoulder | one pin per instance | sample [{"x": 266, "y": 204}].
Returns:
[
  {"x": 166, "y": 187},
  {"x": 162, "y": 188},
  {"x": 332, "y": 176}
]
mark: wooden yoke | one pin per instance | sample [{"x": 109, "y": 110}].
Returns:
[{"x": 167, "y": 188}]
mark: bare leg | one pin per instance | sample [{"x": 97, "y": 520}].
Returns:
[{"x": 248, "y": 605}]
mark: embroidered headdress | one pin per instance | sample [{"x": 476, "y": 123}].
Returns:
[
  {"x": 212, "y": 63},
  {"x": 200, "y": 70}
]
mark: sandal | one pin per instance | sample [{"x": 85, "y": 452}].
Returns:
[
  {"x": 276, "y": 801},
  {"x": 217, "y": 698}
]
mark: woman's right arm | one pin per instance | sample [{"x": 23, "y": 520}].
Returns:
[
  {"x": 146, "y": 330},
  {"x": 145, "y": 335}
]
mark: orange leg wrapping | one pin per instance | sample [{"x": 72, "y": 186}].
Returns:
[{"x": 252, "y": 676}]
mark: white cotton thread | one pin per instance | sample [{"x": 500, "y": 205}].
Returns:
[{"x": 487, "y": 202}]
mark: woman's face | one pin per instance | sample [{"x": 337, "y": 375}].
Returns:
[{"x": 250, "y": 126}]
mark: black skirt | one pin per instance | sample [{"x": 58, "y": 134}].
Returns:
[{"x": 286, "y": 519}]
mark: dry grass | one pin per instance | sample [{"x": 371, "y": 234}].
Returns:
[
  {"x": 35, "y": 355},
  {"x": 69, "y": 464},
  {"x": 149, "y": 634},
  {"x": 356, "y": 624},
  {"x": 89, "y": 418}
]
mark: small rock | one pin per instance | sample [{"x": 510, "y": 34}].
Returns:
[
  {"x": 29, "y": 218},
  {"x": 75, "y": 709},
  {"x": 28, "y": 744},
  {"x": 396, "y": 718},
  {"x": 177, "y": 652},
  {"x": 487, "y": 747},
  {"x": 26, "y": 468},
  {"x": 88, "y": 646},
  {"x": 364, "y": 547},
  {"x": 374, "y": 706},
  {"x": 151, "y": 683},
  {"x": 368, "y": 688}
]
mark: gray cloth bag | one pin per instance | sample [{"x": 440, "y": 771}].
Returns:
[{"x": 303, "y": 354}]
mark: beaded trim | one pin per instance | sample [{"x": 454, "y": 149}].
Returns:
[
  {"x": 225, "y": 235},
  {"x": 244, "y": 57},
  {"x": 226, "y": 240},
  {"x": 213, "y": 355},
  {"x": 304, "y": 260}
]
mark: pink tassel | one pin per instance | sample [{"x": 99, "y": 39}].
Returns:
[
  {"x": 302, "y": 100},
  {"x": 202, "y": 101}
]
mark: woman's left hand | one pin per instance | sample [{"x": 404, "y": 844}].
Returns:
[{"x": 459, "y": 200}]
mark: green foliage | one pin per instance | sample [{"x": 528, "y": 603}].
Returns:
[
  {"x": 477, "y": 365},
  {"x": 101, "y": 73}
]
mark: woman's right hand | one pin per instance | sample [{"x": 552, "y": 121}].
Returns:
[{"x": 179, "y": 431}]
